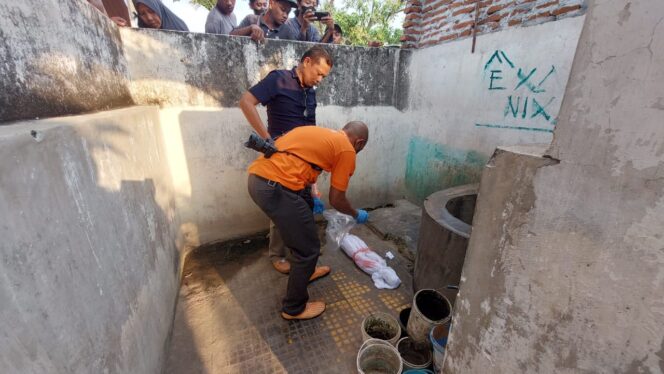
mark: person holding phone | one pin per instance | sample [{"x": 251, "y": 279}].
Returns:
[{"x": 302, "y": 23}]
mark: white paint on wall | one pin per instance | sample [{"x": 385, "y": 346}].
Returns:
[{"x": 463, "y": 100}]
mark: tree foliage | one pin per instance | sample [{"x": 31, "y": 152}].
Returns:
[
  {"x": 207, "y": 4},
  {"x": 363, "y": 21}
]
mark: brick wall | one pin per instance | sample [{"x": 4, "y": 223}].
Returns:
[{"x": 430, "y": 22}]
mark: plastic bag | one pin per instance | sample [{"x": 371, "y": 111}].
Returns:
[{"x": 338, "y": 226}]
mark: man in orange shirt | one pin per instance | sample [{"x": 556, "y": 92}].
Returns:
[{"x": 276, "y": 185}]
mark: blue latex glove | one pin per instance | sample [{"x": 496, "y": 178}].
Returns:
[
  {"x": 362, "y": 216},
  {"x": 319, "y": 205}
]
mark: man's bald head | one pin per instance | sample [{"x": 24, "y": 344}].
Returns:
[{"x": 358, "y": 134}]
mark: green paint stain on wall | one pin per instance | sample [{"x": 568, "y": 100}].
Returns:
[{"x": 431, "y": 167}]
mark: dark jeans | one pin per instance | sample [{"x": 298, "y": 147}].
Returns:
[{"x": 295, "y": 221}]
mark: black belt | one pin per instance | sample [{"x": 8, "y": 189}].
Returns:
[{"x": 272, "y": 183}]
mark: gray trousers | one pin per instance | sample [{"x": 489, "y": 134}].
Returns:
[
  {"x": 295, "y": 221},
  {"x": 276, "y": 248}
]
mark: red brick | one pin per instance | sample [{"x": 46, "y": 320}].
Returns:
[
  {"x": 407, "y": 38},
  {"x": 447, "y": 37},
  {"x": 415, "y": 3},
  {"x": 412, "y": 16},
  {"x": 514, "y": 22},
  {"x": 546, "y": 5},
  {"x": 437, "y": 12},
  {"x": 461, "y": 25},
  {"x": 408, "y": 24},
  {"x": 540, "y": 15},
  {"x": 412, "y": 32},
  {"x": 519, "y": 11},
  {"x": 496, "y": 8},
  {"x": 565, "y": 9},
  {"x": 464, "y": 11},
  {"x": 456, "y": 4},
  {"x": 492, "y": 18},
  {"x": 435, "y": 21},
  {"x": 412, "y": 9},
  {"x": 465, "y": 33}
]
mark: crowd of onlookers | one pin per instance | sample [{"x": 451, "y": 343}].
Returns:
[{"x": 270, "y": 20}]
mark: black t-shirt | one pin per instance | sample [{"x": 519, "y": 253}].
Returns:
[{"x": 285, "y": 99}]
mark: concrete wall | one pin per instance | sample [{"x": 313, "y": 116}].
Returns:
[
  {"x": 564, "y": 272},
  {"x": 209, "y": 162},
  {"x": 58, "y": 57},
  {"x": 508, "y": 92},
  {"x": 174, "y": 68},
  {"x": 88, "y": 260}
]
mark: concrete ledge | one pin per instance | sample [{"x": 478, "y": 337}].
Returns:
[{"x": 59, "y": 57}]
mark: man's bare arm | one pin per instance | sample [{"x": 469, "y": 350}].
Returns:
[
  {"x": 248, "y": 104},
  {"x": 339, "y": 201}
]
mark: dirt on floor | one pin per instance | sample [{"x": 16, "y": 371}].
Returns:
[{"x": 228, "y": 313}]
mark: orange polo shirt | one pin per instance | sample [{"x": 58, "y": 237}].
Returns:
[{"x": 329, "y": 149}]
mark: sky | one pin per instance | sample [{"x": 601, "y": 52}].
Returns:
[{"x": 194, "y": 16}]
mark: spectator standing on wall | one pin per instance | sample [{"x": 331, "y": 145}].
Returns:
[
  {"x": 269, "y": 24},
  {"x": 290, "y": 97},
  {"x": 276, "y": 184},
  {"x": 302, "y": 24},
  {"x": 221, "y": 19},
  {"x": 258, "y": 6},
  {"x": 152, "y": 14}
]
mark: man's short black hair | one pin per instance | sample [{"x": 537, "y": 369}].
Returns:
[
  {"x": 316, "y": 53},
  {"x": 338, "y": 29}
]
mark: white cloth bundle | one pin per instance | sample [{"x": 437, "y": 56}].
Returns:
[{"x": 337, "y": 232}]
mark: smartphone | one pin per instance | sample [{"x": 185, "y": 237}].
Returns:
[{"x": 320, "y": 15}]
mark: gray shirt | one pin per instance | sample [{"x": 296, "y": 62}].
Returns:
[
  {"x": 293, "y": 26},
  {"x": 282, "y": 32},
  {"x": 219, "y": 23}
]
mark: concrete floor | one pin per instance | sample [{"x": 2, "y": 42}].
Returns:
[{"x": 227, "y": 318}]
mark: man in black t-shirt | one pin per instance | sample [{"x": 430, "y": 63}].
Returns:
[
  {"x": 269, "y": 24},
  {"x": 290, "y": 97}
]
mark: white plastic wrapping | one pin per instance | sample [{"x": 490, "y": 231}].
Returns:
[{"x": 337, "y": 233}]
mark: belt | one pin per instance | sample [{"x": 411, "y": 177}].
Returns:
[{"x": 272, "y": 183}]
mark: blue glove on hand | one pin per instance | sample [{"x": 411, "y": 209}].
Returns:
[
  {"x": 362, "y": 216},
  {"x": 319, "y": 205}
]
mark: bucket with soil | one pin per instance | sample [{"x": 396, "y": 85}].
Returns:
[
  {"x": 414, "y": 355},
  {"x": 381, "y": 326},
  {"x": 430, "y": 308}
]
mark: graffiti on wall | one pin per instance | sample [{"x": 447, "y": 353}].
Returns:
[{"x": 525, "y": 94}]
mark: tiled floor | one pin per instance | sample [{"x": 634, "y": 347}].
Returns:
[{"x": 227, "y": 318}]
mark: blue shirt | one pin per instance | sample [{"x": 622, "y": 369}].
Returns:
[{"x": 285, "y": 99}]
